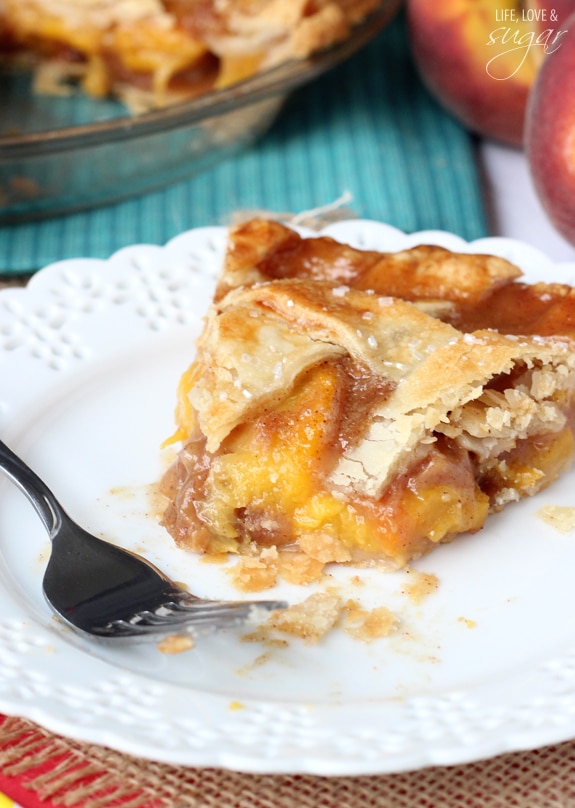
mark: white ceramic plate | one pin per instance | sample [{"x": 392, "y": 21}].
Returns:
[{"x": 91, "y": 353}]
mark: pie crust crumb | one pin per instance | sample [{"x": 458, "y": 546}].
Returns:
[
  {"x": 421, "y": 586},
  {"x": 176, "y": 644},
  {"x": 368, "y": 624},
  {"x": 251, "y": 574},
  {"x": 561, "y": 517},
  {"x": 311, "y": 619}
]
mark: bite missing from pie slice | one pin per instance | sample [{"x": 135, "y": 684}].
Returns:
[{"x": 325, "y": 416}]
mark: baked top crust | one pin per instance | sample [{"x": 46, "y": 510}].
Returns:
[
  {"x": 258, "y": 340},
  {"x": 412, "y": 424},
  {"x": 262, "y": 250}
]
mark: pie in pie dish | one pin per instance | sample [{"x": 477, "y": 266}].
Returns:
[
  {"x": 347, "y": 405},
  {"x": 155, "y": 52}
]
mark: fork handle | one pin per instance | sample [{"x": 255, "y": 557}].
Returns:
[{"x": 43, "y": 500}]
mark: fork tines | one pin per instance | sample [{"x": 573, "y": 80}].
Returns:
[{"x": 175, "y": 616}]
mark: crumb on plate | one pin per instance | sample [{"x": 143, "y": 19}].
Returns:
[
  {"x": 311, "y": 619},
  {"x": 467, "y": 622},
  {"x": 561, "y": 517},
  {"x": 368, "y": 624},
  {"x": 176, "y": 644},
  {"x": 421, "y": 586},
  {"x": 254, "y": 574}
]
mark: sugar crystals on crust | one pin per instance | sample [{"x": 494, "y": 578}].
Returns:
[{"x": 328, "y": 416}]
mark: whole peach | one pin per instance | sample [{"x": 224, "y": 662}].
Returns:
[
  {"x": 550, "y": 134},
  {"x": 479, "y": 58}
]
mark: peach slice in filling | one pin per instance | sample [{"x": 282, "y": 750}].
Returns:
[{"x": 268, "y": 483}]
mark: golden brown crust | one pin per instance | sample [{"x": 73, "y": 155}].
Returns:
[
  {"x": 430, "y": 271},
  {"x": 347, "y": 424},
  {"x": 258, "y": 340},
  {"x": 438, "y": 395},
  {"x": 260, "y": 250}
]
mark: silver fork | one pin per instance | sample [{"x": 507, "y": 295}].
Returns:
[{"x": 103, "y": 590}]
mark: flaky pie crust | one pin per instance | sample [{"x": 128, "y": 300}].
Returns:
[{"x": 461, "y": 421}]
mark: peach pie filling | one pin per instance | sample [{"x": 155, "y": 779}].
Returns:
[
  {"x": 349, "y": 405},
  {"x": 155, "y": 52},
  {"x": 271, "y": 482}
]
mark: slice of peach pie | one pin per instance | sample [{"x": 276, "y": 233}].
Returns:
[{"x": 350, "y": 405}]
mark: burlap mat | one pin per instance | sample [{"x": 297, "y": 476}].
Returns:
[{"x": 95, "y": 777}]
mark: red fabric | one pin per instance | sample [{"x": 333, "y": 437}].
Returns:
[
  {"x": 14, "y": 788},
  {"x": 32, "y": 788}
]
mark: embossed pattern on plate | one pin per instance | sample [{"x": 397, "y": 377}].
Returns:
[{"x": 90, "y": 354}]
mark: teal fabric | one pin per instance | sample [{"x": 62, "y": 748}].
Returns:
[{"x": 368, "y": 128}]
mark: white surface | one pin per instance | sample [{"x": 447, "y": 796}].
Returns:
[
  {"x": 513, "y": 204},
  {"x": 90, "y": 356}
]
